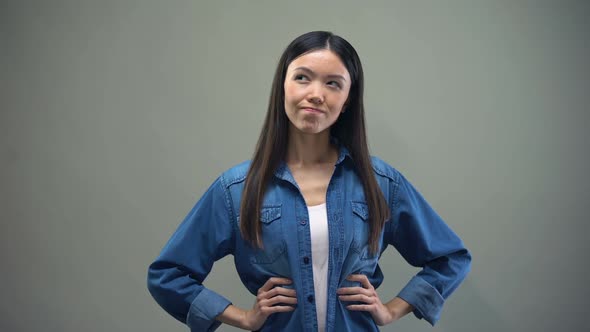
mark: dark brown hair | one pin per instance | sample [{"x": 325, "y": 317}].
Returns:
[{"x": 349, "y": 130}]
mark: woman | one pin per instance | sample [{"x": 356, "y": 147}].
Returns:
[{"x": 308, "y": 218}]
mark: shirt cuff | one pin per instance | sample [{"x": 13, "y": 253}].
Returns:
[
  {"x": 205, "y": 307},
  {"x": 426, "y": 300}
]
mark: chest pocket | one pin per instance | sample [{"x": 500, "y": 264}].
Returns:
[
  {"x": 272, "y": 236},
  {"x": 360, "y": 241}
]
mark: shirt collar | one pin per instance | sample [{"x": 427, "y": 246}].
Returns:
[
  {"x": 343, "y": 153},
  {"x": 282, "y": 171}
]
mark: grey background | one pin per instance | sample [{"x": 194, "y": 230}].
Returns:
[{"x": 116, "y": 116}]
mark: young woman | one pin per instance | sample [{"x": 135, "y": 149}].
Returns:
[{"x": 309, "y": 217}]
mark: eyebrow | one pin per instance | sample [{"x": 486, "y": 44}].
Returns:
[{"x": 305, "y": 69}]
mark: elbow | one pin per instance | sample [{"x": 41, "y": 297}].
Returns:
[
  {"x": 154, "y": 282},
  {"x": 164, "y": 293},
  {"x": 462, "y": 263},
  {"x": 467, "y": 258},
  {"x": 163, "y": 283}
]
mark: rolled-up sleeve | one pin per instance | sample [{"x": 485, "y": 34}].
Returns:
[
  {"x": 426, "y": 241},
  {"x": 175, "y": 278}
]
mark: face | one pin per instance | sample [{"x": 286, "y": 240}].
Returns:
[{"x": 316, "y": 89}]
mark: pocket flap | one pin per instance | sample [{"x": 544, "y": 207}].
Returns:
[
  {"x": 361, "y": 210},
  {"x": 269, "y": 214}
]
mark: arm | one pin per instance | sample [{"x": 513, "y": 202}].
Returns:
[
  {"x": 368, "y": 300},
  {"x": 175, "y": 278},
  {"x": 234, "y": 316},
  {"x": 398, "y": 308},
  {"x": 424, "y": 240},
  {"x": 271, "y": 298}
]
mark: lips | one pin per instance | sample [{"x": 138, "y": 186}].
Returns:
[{"x": 312, "y": 110}]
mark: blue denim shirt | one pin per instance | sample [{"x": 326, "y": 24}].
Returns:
[{"x": 211, "y": 231}]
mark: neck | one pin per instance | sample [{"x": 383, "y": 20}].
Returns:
[{"x": 310, "y": 149}]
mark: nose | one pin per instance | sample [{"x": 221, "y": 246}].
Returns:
[{"x": 315, "y": 95}]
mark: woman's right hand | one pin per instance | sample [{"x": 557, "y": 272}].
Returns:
[{"x": 271, "y": 298}]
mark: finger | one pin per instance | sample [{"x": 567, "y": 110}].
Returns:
[
  {"x": 362, "y": 279},
  {"x": 354, "y": 290},
  {"x": 277, "y": 308},
  {"x": 357, "y": 297},
  {"x": 360, "y": 307},
  {"x": 271, "y": 282},
  {"x": 262, "y": 295},
  {"x": 280, "y": 281},
  {"x": 279, "y": 299},
  {"x": 281, "y": 291}
]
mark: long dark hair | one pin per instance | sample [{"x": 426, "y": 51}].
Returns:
[{"x": 349, "y": 130}]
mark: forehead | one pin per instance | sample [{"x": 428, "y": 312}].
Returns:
[{"x": 323, "y": 62}]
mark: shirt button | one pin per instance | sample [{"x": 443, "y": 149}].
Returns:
[
  {"x": 306, "y": 260},
  {"x": 310, "y": 299},
  {"x": 302, "y": 221}
]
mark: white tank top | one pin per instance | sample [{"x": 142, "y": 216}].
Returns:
[{"x": 318, "y": 226}]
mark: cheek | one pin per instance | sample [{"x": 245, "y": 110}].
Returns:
[
  {"x": 339, "y": 104},
  {"x": 290, "y": 93},
  {"x": 294, "y": 92},
  {"x": 342, "y": 102}
]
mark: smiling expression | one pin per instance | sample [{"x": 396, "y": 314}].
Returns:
[{"x": 316, "y": 89}]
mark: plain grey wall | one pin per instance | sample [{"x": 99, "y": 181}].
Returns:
[{"x": 116, "y": 116}]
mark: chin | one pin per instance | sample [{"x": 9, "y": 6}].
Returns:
[
  {"x": 308, "y": 127},
  {"x": 310, "y": 130}
]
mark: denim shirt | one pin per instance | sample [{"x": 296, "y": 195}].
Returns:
[{"x": 211, "y": 231}]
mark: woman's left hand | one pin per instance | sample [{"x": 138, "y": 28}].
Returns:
[{"x": 366, "y": 294}]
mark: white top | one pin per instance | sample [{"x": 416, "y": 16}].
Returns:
[{"x": 318, "y": 227}]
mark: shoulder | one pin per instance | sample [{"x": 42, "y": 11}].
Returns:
[
  {"x": 384, "y": 170},
  {"x": 236, "y": 174}
]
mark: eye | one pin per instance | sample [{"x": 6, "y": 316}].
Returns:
[
  {"x": 334, "y": 84},
  {"x": 301, "y": 77}
]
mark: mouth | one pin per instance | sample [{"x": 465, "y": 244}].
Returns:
[{"x": 311, "y": 110}]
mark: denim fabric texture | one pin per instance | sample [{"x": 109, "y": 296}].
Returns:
[{"x": 211, "y": 231}]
